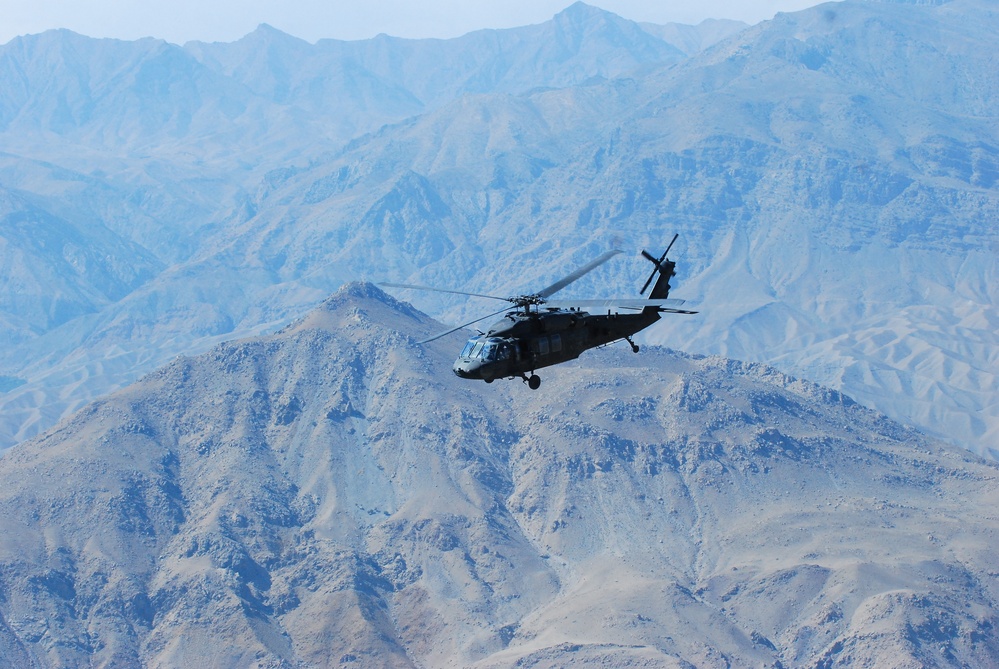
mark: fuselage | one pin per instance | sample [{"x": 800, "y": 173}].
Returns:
[{"x": 522, "y": 342}]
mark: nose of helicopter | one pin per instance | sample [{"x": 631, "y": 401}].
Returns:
[{"x": 466, "y": 369}]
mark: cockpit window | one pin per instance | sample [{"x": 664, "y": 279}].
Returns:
[{"x": 488, "y": 349}]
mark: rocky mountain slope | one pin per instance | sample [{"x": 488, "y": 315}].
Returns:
[{"x": 332, "y": 495}]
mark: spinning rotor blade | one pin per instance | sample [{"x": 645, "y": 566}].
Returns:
[
  {"x": 441, "y": 290},
  {"x": 523, "y": 300},
  {"x": 463, "y": 325},
  {"x": 590, "y": 266},
  {"x": 624, "y": 303}
]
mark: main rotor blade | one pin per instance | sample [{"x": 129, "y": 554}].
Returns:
[
  {"x": 590, "y": 266},
  {"x": 463, "y": 325},
  {"x": 441, "y": 290},
  {"x": 627, "y": 303}
]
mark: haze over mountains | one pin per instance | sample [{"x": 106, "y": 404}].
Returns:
[
  {"x": 833, "y": 174},
  {"x": 331, "y": 495}
]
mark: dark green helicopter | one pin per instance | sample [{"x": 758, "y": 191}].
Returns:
[{"x": 552, "y": 332}]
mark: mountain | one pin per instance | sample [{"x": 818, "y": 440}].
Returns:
[
  {"x": 54, "y": 272},
  {"x": 372, "y": 82},
  {"x": 186, "y": 131},
  {"x": 832, "y": 173},
  {"x": 332, "y": 494},
  {"x": 270, "y": 91}
]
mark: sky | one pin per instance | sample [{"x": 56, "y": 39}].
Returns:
[{"x": 180, "y": 21}]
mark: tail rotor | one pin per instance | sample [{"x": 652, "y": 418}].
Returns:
[{"x": 658, "y": 263}]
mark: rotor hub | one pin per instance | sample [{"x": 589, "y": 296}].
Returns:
[{"x": 527, "y": 300}]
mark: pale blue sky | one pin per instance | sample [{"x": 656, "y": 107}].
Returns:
[{"x": 226, "y": 20}]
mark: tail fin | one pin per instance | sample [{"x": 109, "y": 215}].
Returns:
[{"x": 666, "y": 269}]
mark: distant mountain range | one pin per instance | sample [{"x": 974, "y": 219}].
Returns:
[
  {"x": 332, "y": 495},
  {"x": 833, "y": 174}
]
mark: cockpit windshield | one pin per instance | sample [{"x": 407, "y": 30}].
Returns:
[
  {"x": 486, "y": 349},
  {"x": 473, "y": 348},
  {"x": 467, "y": 351}
]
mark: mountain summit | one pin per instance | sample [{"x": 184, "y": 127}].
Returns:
[{"x": 332, "y": 494}]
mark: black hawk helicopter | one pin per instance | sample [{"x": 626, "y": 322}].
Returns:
[{"x": 527, "y": 339}]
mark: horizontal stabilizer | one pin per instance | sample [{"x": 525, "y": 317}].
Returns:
[{"x": 624, "y": 303}]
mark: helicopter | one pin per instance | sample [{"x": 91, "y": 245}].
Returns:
[{"x": 539, "y": 332}]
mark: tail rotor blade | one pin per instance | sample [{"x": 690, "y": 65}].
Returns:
[
  {"x": 669, "y": 247},
  {"x": 651, "y": 276}
]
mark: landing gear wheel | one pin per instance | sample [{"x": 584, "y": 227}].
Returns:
[
  {"x": 488, "y": 380},
  {"x": 534, "y": 382},
  {"x": 634, "y": 348}
]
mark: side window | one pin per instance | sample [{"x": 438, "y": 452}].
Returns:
[
  {"x": 556, "y": 343},
  {"x": 543, "y": 345}
]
